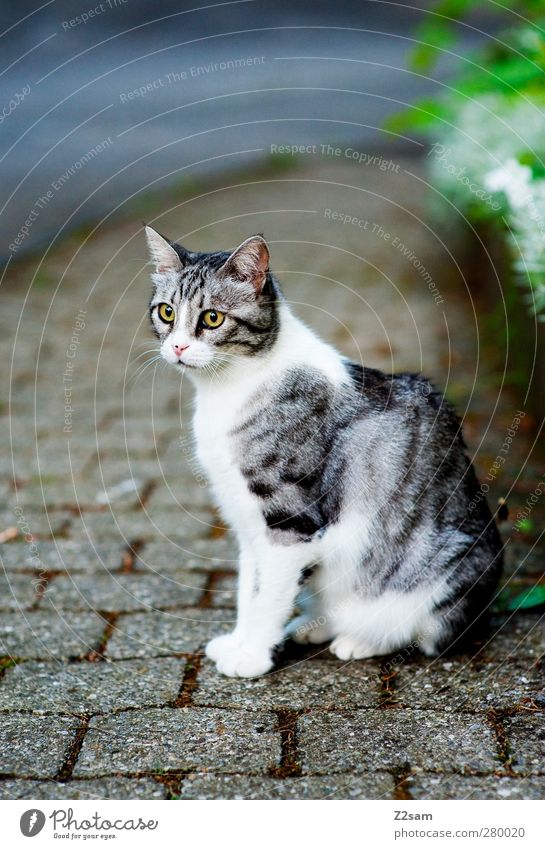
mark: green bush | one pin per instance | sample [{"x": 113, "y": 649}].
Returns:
[{"x": 488, "y": 125}]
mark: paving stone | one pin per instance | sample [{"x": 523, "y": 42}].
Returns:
[
  {"x": 387, "y": 739},
  {"x": 164, "y": 524},
  {"x": 520, "y": 635},
  {"x": 162, "y": 632},
  {"x": 61, "y": 555},
  {"x": 63, "y": 495},
  {"x": 127, "y": 440},
  {"x": 168, "y": 556},
  {"x": 103, "y": 788},
  {"x": 34, "y": 746},
  {"x": 526, "y": 738},
  {"x": 90, "y": 687},
  {"x": 44, "y": 635},
  {"x": 309, "y": 683},
  {"x": 181, "y": 482},
  {"x": 224, "y": 591},
  {"x": 521, "y": 558},
  {"x": 111, "y": 470},
  {"x": 125, "y": 592},
  {"x": 457, "y": 685},
  {"x": 17, "y": 592},
  {"x": 34, "y": 521},
  {"x": 111, "y": 524},
  {"x": 172, "y": 492},
  {"x": 474, "y": 787},
  {"x": 378, "y": 785},
  {"x": 118, "y": 481},
  {"x": 185, "y": 739}
]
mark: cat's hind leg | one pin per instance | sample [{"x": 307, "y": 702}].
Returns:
[
  {"x": 345, "y": 547},
  {"x": 353, "y": 647},
  {"x": 355, "y": 636},
  {"x": 377, "y": 625},
  {"x": 458, "y": 619},
  {"x": 312, "y": 624},
  {"x": 309, "y": 629}
]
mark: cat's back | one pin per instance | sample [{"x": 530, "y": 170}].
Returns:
[
  {"x": 407, "y": 431},
  {"x": 403, "y": 393}
]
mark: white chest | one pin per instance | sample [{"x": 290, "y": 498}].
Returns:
[{"x": 216, "y": 451}]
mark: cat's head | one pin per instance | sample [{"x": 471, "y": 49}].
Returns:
[{"x": 210, "y": 309}]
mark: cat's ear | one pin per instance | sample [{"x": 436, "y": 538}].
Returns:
[
  {"x": 249, "y": 263},
  {"x": 162, "y": 253}
]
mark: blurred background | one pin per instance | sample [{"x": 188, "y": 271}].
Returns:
[
  {"x": 393, "y": 154},
  {"x": 174, "y": 90}
]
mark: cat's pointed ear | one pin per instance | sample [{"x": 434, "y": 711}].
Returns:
[
  {"x": 249, "y": 263},
  {"x": 165, "y": 257}
]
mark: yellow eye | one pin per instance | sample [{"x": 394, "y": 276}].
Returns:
[
  {"x": 212, "y": 318},
  {"x": 166, "y": 313}
]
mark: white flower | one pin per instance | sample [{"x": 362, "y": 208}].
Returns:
[
  {"x": 490, "y": 136},
  {"x": 513, "y": 179}
]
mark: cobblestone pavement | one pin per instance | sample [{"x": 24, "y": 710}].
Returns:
[{"x": 117, "y": 569}]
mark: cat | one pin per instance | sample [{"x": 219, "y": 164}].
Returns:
[{"x": 349, "y": 490}]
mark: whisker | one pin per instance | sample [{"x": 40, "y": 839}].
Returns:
[
  {"x": 139, "y": 372},
  {"x": 143, "y": 354},
  {"x": 137, "y": 378},
  {"x": 142, "y": 343},
  {"x": 138, "y": 366}
]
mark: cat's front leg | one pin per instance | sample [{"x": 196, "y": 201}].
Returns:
[
  {"x": 224, "y": 646},
  {"x": 264, "y": 608}
]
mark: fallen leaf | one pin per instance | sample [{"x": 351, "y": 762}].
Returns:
[{"x": 9, "y": 534}]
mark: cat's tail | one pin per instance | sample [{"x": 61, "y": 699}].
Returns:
[{"x": 465, "y": 617}]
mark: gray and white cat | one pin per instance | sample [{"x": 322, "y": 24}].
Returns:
[{"x": 349, "y": 490}]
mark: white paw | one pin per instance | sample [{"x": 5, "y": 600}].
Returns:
[
  {"x": 351, "y": 648},
  {"x": 223, "y": 646},
  {"x": 306, "y": 629},
  {"x": 245, "y": 663}
]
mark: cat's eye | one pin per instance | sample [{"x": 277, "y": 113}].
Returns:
[
  {"x": 166, "y": 313},
  {"x": 212, "y": 318}
]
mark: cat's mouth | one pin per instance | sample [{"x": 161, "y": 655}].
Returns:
[{"x": 181, "y": 365}]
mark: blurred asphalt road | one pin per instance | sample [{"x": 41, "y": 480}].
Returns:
[{"x": 103, "y": 101}]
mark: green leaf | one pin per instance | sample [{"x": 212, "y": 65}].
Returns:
[
  {"x": 530, "y": 158},
  {"x": 435, "y": 36},
  {"x": 534, "y": 597},
  {"x": 525, "y": 525},
  {"x": 454, "y": 8},
  {"x": 422, "y": 115}
]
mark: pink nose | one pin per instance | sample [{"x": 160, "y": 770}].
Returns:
[{"x": 179, "y": 349}]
